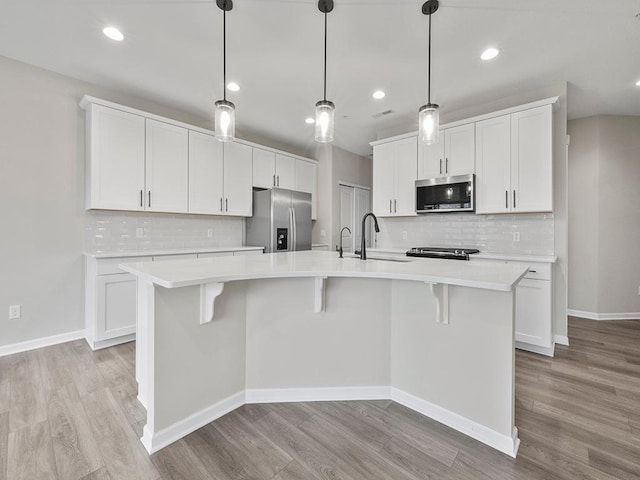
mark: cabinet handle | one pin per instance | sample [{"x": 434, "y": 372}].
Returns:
[
  {"x": 506, "y": 199},
  {"x": 390, "y": 204},
  {"x": 278, "y": 180},
  {"x": 149, "y": 198},
  {"x": 446, "y": 165},
  {"x": 514, "y": 199},
  {"x": 533, "y": 271},
  {"x": 395, "y": 206},
  {"x": 140, "y": 198},
  {"x": 226, "y": 204},
  {"x": 221, "y": 205},
  {"x": 274, "y": 179},
  {"x": 440, "y": 166}
]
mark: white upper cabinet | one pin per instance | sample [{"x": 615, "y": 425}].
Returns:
[
  {"x": 515, "y": 162},
  {"x": 454, "y": 154},
  {"x": 167, "y": 160},
  {"x": 532, "y": 160},
  {"x": 115, "y": 159},
  {"x": 394, "y": 174},
  {"x": 237, "y": 179},
  {"x": 306, "y": 180},
  {"x": 206, "y": 179},
  {"x": 493, "y": 165},
  {"x": 264, "y": 168},
  {"x": 285, "y": 171}
]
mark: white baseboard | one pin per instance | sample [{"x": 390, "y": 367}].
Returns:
[
  {"x": 329, "y": 394},
  {"x": 504, "y": 443},
  {"x": 536, "y": 349},
  {"x": 40, "y": 342},
  {"x": 157, "y": 441},
  {"x": 561, "y": 340},
  {"x": 604, "y": 316},
  {"x": 97, "y": 345}
]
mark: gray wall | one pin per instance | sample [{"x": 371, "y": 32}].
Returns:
[
  {"x": 44, "y": 226},
  {"x": 604, "y": 228}
]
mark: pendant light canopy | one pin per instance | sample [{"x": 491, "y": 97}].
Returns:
[
  {"x": 225, "y": 111},
  {"x": 325, "y": 109},
  {"x": 429, "y": 114}
]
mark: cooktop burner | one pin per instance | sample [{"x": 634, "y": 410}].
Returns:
[{"x": 441, "y": 252}]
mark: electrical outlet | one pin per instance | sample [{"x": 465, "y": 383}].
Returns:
[
  {"x": 139, "y": 232},
  {"x": 15, "y": 312},
  {"x": 323, "y": 233},
  {"x": 404, "y": 234},
  {"x": 516, "y": 236},
  {"x": 210, "y": 233}
]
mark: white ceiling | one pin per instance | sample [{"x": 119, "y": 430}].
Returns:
[{"x": 172, "y": 55}]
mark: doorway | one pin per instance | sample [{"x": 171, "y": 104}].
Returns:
[{"x": 355, "y": 201}]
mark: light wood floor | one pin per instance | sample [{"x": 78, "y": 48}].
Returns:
[{"x": 69, "y": 413}]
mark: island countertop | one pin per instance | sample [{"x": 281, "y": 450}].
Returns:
[{"x": 183, "y": 273}]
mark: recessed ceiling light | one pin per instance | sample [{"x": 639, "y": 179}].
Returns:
[
  {"x": 378, "y": 94},
  {"x": 113, "y": 33},
  {"x": 310, "y": 121},
  {"x": 489, "y": 53},
  {"x": 638, "y": 83},
  {"x": 233, "y": 86}
]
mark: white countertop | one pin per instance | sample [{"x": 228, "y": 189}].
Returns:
[
  {"x": 175, "y": 251},
  {"x": 512, "y": 257},
  {"x": 182, "y": 273}
]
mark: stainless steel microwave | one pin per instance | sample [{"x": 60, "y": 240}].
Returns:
[{"x": 446, "y": 194}]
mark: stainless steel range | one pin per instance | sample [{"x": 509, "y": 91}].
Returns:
[{"x": 437, "y": 252}]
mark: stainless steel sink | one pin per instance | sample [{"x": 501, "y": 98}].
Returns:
[{"x": 389, "y": 259}]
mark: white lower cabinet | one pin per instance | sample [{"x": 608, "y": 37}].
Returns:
[{"x": 111, "y": 296}]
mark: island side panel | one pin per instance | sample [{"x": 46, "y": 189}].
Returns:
[
  {"x": 291, "y": 347},
  {"x": 197, "y": 365},
  {"x": 465, "y": 367}
]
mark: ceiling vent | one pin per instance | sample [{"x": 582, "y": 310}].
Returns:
[{"x": 382, "y": 114}]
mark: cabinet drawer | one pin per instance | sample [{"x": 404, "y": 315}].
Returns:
[
  {"x": 181, "y": 256},
  {"x": 109, "y": 266},
  {"x": 539, "y": 271}
]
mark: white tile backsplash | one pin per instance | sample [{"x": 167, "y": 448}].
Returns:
[
  {"x": 107, "y": 231},
  {"x": 488, "y": 233}
]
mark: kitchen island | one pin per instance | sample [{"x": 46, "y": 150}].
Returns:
[{"x": 434, "y": 335}]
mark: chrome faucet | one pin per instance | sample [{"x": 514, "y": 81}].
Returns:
[
  {"x": 363, "y": 246},
  {"x": 343, "y": 229}
]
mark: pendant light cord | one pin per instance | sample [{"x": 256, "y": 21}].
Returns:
[
  {"x": 325, "y": 56},
  {"x": 429, "y": 86},
  {"x": 224, "y": 55}
]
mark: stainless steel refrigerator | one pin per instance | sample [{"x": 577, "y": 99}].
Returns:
[{"x": 281, "y": 221}]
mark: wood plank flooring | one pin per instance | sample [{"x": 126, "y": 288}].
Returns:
[{"x": 67, "y": 413}]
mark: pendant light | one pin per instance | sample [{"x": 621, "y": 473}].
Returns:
[
  {"x": 429, "y": 114},
  {"x": 225, "y": 111},
  {"x": 324, "y": 108}
]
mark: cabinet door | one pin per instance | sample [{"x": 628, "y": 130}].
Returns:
[
  {"x": 533, "y": 312},
  {"x": 459, "y": 149},
  {"x": 431, "y": 159},
  {"x": 238, "y": 179},
  {"x": 532, "y": 160},
  {"x": 493, "y": 156},
  {"x": 115, "y": 161},
  {"x": 116, "y": 303},
  {"x": 167, "y": 167},
  {"x": 285, "y": 171},
  {"x": 264, "y": 168},
  {"x": 406, "y": 171},
  {"x": 206, "y": 175},
  {"x": 383, "y": 179},
  {"x": 306, "y": 181}
]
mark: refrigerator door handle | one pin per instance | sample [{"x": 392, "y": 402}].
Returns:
[{"x": 294, "y": 233}]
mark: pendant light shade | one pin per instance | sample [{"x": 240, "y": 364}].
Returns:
[
  {"x": 225, "y": 120},
  {"x": 429, "y": 124},
  {"x": 324, "y": 121},
  {"x": 429, "y": 114},
  {"x": 225, "y": 111},
  {"x": 325, "y": 109}
]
